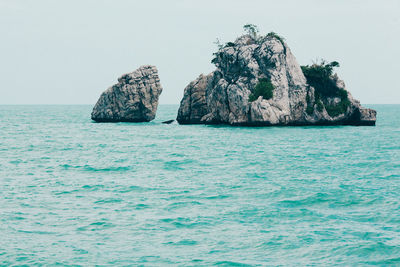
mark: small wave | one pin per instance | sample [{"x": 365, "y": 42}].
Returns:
[
  {"x": 185, "y": 242},
  {"x": 15, "y": 162},
  {"x": 141, "y": 206},
  {"x": 178, "y": 205},
  {"x": 385, "y": 262},
  {"x": 65, "y": 192},
  {"x": 218, "y": 197},
  {"x": 16, "y": 218},
  {"x": 322, "y": 198},
  {"x": 93, "y": 187},
  {"x": 373, "y": 250},
  {"x": 96, "y": 226},
  {"x": 177, "y": 165},
  {"x": 108, "y": 201},
  {"x": 306, "y": 201},
  {"x": 96, "y": 169},
  {"x": 107, "y": 169},
  {"x": 37, "y": 232},
  {"x": 184, "y": 222},
  {"x": 81, "y": 251},
  {"x": 133, "y": 188},
  {"x": 231, "y": 263}
]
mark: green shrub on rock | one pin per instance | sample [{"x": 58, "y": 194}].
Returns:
[
  {"x": 251, "y": 30},
  {"x": 320, "y": 76},
  {"x": 341, "y": 107},
  {"x": 320, "y": 105},
  {"x": 310, "y": 106},
  {"x": 310, "y": 109},
  {"x": 275, "y": 35},
  {"x": 263, "y": 88}
]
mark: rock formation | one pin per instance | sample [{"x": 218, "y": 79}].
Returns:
[
  {"x": 133, "y": 99},
  {"x": 229, "y": 95},
  {"x": 194, "y": 105}
]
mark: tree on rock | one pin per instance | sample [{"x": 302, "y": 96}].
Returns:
[{"x": 251, "y": 30}]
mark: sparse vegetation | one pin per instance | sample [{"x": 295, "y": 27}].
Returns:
[
  {"x": 321, "y": 77},
  {"x": 218, "y": 43},
  {"x": 320, "y": 105},
  {"x": 263, "y": 88},
  {"x": 251, "y": 30},
  {"x": 318, "y": 101},
  {"x": 275, "y": 35},
  {"x": 310, "y": 106},
  {"x": 341, "y": 107},
  {"x": 310, "y": 109}
]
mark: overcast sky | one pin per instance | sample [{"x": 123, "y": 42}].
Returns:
[{"x": 69, "y": 51}]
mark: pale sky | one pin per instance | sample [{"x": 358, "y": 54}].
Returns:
[{"x": 69, "y": 51}]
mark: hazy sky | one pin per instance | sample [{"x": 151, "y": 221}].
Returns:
[{"x": 69, "y": 51}]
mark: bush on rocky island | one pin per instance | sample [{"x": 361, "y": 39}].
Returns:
[
  {"x": 321, "y": 77},
  {"x": 263, "y": 88}
]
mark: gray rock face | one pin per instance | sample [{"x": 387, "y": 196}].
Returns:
[
  {"x": 194, "y": 105},
  {"x": 133, "y": 99},
  {"x": 222, "y": 97}
]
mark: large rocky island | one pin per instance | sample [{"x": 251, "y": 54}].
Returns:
[
  {"x": 258, "y": 82},
  {"x": 133, "y": 99}
]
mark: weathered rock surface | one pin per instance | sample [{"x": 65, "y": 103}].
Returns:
[
  {"x": 194, "y": 105},
  {"x": 133, "y": 99},
  {"x": 222, "y": 97}
]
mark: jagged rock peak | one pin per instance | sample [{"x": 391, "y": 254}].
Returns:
[
  {"x": 133, "y": 99},
  {"x": 258, "y": 82}
]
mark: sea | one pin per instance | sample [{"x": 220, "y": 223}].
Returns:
[{"x": 75, "y": 192}]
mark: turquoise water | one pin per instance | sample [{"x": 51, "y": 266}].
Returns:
[{"x": 77, "y": 192}]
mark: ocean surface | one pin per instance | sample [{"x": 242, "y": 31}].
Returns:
[{"x": 77, "y": 192}]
